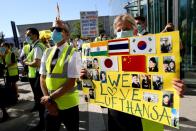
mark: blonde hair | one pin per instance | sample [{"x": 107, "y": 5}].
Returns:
[{"x": 124, "y": 17}]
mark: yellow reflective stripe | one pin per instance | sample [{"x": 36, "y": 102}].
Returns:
[{"x": 71, "y": 54}]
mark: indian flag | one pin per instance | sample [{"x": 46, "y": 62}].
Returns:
[{"x": 99, "y": 48}]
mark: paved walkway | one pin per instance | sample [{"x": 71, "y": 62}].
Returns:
[{"x": 92, "y": 117}]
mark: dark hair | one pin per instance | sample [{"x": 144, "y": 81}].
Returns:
[
  {"x": 33, "y": 31},
  {"x": 102, "y": 72},
  {"x": 134, "y": 75},
  {"x": 140, "y": 18},
  {"x": 171, "y": 28},
  {"x": 165, "y": 62},
  {"x": 91, "y": 90},
  {"x": 11, "y": 45},
  {"x": 153, "y": 59},
  {"x": 165, "y": 95},
  {"x": 102, "y": 32},
  {"x": 6, "y": 45},
  {"x": 173, "y": 62},
  {"x": 95, "y": 59}
]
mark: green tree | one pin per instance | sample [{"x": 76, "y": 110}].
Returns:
[
  {"x": 75, "y": 30},
  {"x": 100, "y": 26}
]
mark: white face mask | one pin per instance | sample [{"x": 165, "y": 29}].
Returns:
[{"x": 123, "y": 34}]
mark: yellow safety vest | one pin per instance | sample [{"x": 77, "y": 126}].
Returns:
[
  {"x": 26, "y": 49},
  {"x": 97, "y": 39},
  {"x": 58, "y": 77},
  {"x": 30, "y": 58},
  {"x": 12, "y": 70},
  {"x": 151, "y": 126}
]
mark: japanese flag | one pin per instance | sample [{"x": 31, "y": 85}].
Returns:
[
  {"x": 109, "y": 63},
  {"x": 142, "y": 45}
]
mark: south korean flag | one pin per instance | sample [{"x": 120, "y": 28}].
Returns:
[{"x": 142, "y": 45}]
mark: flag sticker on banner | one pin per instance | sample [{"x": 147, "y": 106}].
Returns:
[
  {"x": 135, "y": 63},
  {"x": 142, "y": 45},
  {"x": 99, "y": 48},
  {"x": 109, "y": 63},
  {"x": 118, "y": 47}
]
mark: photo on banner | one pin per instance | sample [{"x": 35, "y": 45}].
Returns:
[{"x": 134, "y": 75}]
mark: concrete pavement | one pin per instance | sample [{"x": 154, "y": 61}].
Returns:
[{"x": 92, "y": 117}]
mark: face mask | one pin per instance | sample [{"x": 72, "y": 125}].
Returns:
[
  {"x": 51, "y": 42},
  {"x": 2, "y": 50},
  {"x": 123, "y": 34},
  {"x": 28, "y": 40},
  {"x": 104, "y": 39},
  {"x": 139, "y": 28},
  {"x": 56, "y": 37}
]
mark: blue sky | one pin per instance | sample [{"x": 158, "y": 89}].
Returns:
[{"x": 38, "y": 11}]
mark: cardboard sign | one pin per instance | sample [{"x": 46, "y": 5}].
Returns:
[
  {"x": 134, "y": 75},
  {"x": 89, "y": 23}
]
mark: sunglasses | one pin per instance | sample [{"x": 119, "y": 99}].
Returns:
[{"x": 58, "y": 29}]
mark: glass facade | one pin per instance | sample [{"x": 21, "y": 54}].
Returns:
[
  {"x": 180, "y": 12},
  {"x": 187, "y": 27}
]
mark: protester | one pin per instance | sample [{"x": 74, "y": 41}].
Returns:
[
  {"x": 45, "y": 41},
  {"x": 79, "y": 43},
  {"x": 125, "y": 26},
  {"x": 33, "y": 61},
  {"x": 23, "y": 55},
  {"x": 61, "y": 97},
  {"x": 102, "y": 36},
  {"x": 10, "y": 63},
  {"x": 3, "y": 113},
  {"x": 168, "y": 28},
  {"x": 141, "y": 25}
]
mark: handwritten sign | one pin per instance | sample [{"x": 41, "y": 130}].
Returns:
[
  {"x": 89, "y": 23},
  {"x": 135, "y": 76}
]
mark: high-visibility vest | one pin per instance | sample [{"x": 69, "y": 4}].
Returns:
[
  {"x": 58, "y": 77},
  {"x": 26, "y": 49},
  {"x": 151, "y": 126},
  {"x": 30, "y": 58},
  {"x": 97, "y": 39},
  {"x": 12, "y": 70}
]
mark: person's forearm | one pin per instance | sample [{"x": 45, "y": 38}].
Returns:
[
  {"x": 68, "y": 86},
  {"x": 43, "y": 85},
  {"x": 35, "y": 63},
  {"x": 11, "y": 64}
]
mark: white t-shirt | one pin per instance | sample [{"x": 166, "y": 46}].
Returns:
[
  {"x": 74, "y": 65},
  {"x": 38, "y": 52},
  {"x": 79, "y": 43}
]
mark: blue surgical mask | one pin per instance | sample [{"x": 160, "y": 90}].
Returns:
[
  {"x": 2, "y": 50},
  {"x": 123, "y": 34},
  {"x": 57, "y": 37},
  {"x": 29, "y": 40},
  {"x": 139, "y": 28}
]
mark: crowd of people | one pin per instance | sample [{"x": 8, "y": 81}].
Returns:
[{"x": 53, "y": 83}]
